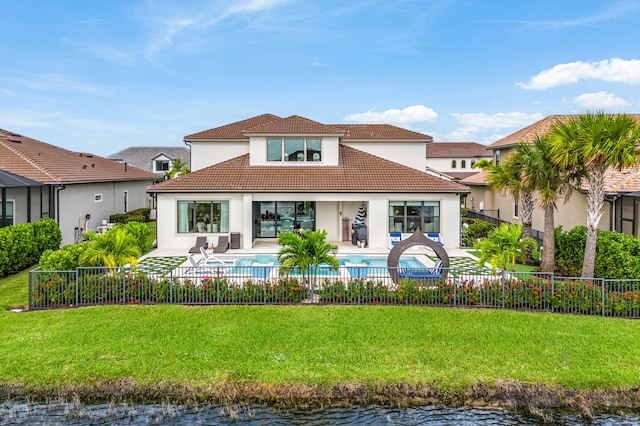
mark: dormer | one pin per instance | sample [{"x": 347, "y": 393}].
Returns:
[{"x": 294, "y": 141}]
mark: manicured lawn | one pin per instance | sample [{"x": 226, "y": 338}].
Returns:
[{"x": 449, "y": 348}]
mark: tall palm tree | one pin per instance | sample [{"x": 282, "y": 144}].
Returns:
[
  {"x": 588, "y": 145},
  {"x": 540, "y": 172},
  {"x": 506, "y": 178},
  {"x": 307, "y": 251},
  {"x": 178, "y": 168}
]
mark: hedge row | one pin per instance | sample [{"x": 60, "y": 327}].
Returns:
[
  {"x": 617, "y": 255},
  {"x": 23, "y": 244},
  {"x": 138, "y": 215}
]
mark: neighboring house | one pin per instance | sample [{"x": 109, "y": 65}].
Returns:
[
  {"x": 155, "y": 159},
  {"x": 456, "y": 159},
  {"x": 258, "y": 177},
  {"x": 19, "y": 199},
  {"x": 622, "y": 203},
  {"x": 67, "y": 186}
]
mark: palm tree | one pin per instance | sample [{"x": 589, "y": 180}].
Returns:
[
  {"x": 506, "y": 178},
  {"x": 178, "y": 168},
  {"x": 504, "y": 246},
  {"x": 588, "y": 145},
  {"x": 115, "y": 248},
  {"x": 540, "y": 172},
  {"x": 306, "y": 251}
]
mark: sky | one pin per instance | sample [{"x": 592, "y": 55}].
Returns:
[{"x": 103, "y": 75}]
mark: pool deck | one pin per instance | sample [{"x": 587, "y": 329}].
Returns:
[{"x": 272, "y": 247}]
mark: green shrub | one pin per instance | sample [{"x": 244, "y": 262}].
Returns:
[
  {"x": 62, "y": 260},
  {"x": 23, "y": 244},
  {"x": 134, "y": 218},
  {"x": 617, "y": 255},
  {"x": 118, "y": 218},
  {"x": 475, "y": 230},
  {"x": 145, "y": 212},
  {"x": 141, "y": 233}
]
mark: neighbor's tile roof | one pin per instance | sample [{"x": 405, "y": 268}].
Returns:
[
  {"x": 457, "y": 150},
  {"x": 538, "y": 128},
  {"x": 51, "y": 164},
  {"x": 625, "y": 180},
  {"x": 475, "y": 179},
  {"x": 357, "y": 171},
  {"x": 271, "y": 124},
  {"x": 143, "y": 156}
]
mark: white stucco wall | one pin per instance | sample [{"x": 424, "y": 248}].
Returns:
[
  {"x": 444, "y": 164},
  {"x": 77, "y": 200},
  {"x": 205, "y": 154},
  {"x": 410, "y": 154},
  {"x": 328, "y": 208}
]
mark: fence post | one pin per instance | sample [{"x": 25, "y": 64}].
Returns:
[
  {"x": 455, "y": 297},
  {"x": 171, "y": 286},
  {"x": 124, "y": 287},
  {"x": 30, "y": 295},
  {"x": 603, "y": 295},
  {"x": 553, "y": 292},
  {"x": 77, "y": 287},
  {"x": 504, "y": 273}
]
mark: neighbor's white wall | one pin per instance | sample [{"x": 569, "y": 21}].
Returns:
[
  {"x": 411, "y": 154},
  {"x": 444, "y": 164},
  {"x": 205, "y": 154},
  {"x": 77, "y": 200}
]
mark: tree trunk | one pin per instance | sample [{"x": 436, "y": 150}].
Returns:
[
  {"x": 548, "y": 244},
  {"x": 595, "y": 200},
  {"x": 526, "y": 214}
]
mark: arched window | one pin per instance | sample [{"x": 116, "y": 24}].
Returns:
[
  {"x": 453, "y": 164},
  {"x": 463, "y": 164}
]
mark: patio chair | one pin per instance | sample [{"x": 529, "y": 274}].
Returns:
[
  {"x": 422, "y": 273},
  {"x": 223, "y": 244},
  {"x": 200, "y": 242},
  {"x": 212, "y": 260}
]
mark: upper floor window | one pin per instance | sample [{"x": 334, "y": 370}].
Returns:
[
  {"x": 453, "y": 164},
  {"x": 473, "y": 162},
  {"x": 161, "y": 166},
  {"x": 294, "y": 149},
  {"x": 497, "y": 157},
  {"x": 463, "y": 164}
]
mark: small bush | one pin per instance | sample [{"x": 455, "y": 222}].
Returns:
[
  {"x": 23, "y": 244},
  {"x": 474, "y": 230},
  {"x": 141, "y": 233},
  {"x": 62, "y": 260}
]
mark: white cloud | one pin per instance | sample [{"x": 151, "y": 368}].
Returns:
[
  {"x": 409, "y": 115},
  {"x": 614, "y": 70},
  {"x": 600, "y": 100},
  {"x": 473, "y": 125}
]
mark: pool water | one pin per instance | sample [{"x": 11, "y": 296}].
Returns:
[{"x": 370, "y": 261}]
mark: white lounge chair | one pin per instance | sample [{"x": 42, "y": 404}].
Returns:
[{"x": 212, "y": 260}]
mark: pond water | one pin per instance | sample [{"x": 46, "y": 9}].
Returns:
[{"x": 74, "y": 413}]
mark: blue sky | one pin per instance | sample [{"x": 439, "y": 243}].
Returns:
[{"x": 99, "y": 76}]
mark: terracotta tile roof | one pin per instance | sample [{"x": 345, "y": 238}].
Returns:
[
  {"x": 460, "y": 175},
  {"x": 538, "y": 128},
  {"x": 270, "y": 124},
  {"x": 475, "y": 179},
  {"x": 623, "y": 181},
  {"x": 357, "y": 171},
  {"x": 457, "y": 149},
  {"x": 379, "y": 131},
  {"x": 234, "y": 130},
  {"x": 51, "y": 164},
  {"x": 294, "y": 125}
]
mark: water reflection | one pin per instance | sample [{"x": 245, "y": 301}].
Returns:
[{"x": 75, "y": 413}]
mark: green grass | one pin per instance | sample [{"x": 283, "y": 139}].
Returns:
[{"x": 450, "y": 348}]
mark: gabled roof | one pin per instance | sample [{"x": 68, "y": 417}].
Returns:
[
  {"x": 457, "y": 150},
  {"x": 233, "y": 130},
  {"x": 529, "y": 133},
  {"x": 11, "y": 180},
  {"x": 272, "y": 124},
  {"x": 293, "y": 125},
  {"x": 142, "y": 156},
  {"x": 356, "y": 171},
  {"x": 51, "y": 164}
]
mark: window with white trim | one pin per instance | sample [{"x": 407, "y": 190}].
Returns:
[
  {"x": 294, "y": 149},
  {"x": 9, "y": 218},
  {"x": 161, "y": 166},
  {"x": 97, "y": 198},
  {"x": 203, "y": 216}
]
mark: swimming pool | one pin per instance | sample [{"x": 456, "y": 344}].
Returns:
[{"x": 408, "y": 262}]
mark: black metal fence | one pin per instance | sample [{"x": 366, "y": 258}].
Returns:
[{"x": 468, "y": 287}]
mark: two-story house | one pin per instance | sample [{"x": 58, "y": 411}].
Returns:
[{"x": 264, "y": 175}]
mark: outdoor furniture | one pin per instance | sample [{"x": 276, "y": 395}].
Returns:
[
  {"x": 200, "y": 242},
  {"x": 422, "y": 273},
  {"x": 223, "y": 244},
  {"x": 211, "y": 260}
]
